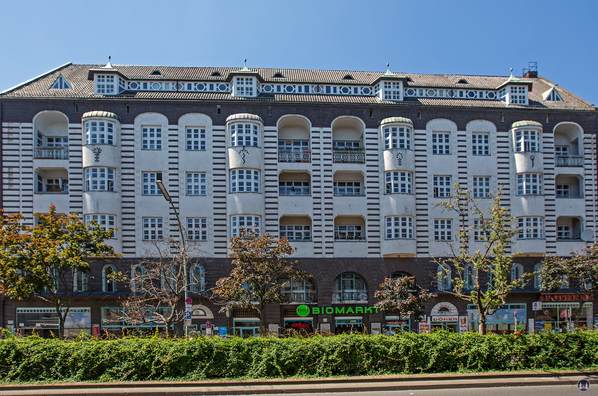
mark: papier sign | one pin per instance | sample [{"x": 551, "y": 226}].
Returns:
[{"x": 462, "y": 324}]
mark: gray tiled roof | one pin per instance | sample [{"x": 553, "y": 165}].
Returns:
[{"x": 77, "y": 75}]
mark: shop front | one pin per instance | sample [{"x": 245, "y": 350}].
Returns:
[
  {"x": 44, "y": 321},
  {"x": 562, "y": 313},
  {"x": 246, "y": 327},
  {"x": 507, "y": 319},
  {"x": 348, "y": 324},
  {"x": 303, "y": 326},
  {"x": 397, "y": 325},
  {"x": 120, "y": 321},
  {"x": 445, "y": 316}
]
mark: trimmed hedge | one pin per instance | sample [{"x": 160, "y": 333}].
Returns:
[{"x": 135, "y": 359}]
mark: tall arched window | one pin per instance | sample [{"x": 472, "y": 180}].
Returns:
[
  {"x": 444, "y": 277},
  {"x": 197, "y": 279},
  {"x": 80, "y": 281},
  {"x": 469, "y": 277},
  {"x": 303, "y": 290},
  {"x": 517, "y": 273},
  {"x": 349, "y": 288},
  {"x": 137, "y": 273},
  {"x": 537, "y": 271},
  {"x": 109, "y": 285}
]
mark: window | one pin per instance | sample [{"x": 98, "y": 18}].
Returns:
[
  {"x": 349, "y": 288},
  {"x": 442, "y": 186},
  {"x": 196, "y": 183},
  {"x": 441, "y": 143},
  {"x": 197, "y": 279},
  {"x": 302, "y": 290},
  {"x": 244, "y": 135},
  {"x": 346, "y": 145},
  {"x": 293, "y": 187},
  {"x": 137, "y": 275},
  {"x": 399, "y": 227},
  {"x": 481, "y": 186},
  {"x": 151, "y": 138},
  {"x": 60, "y": 83},
  {"x": 397, "y": 137},
  {"x": 57, "y": 141},
  {"x": 197, "y": 228},
  {"x": 470, "y": 274},
  {"x": 480, "y": 144},
  {"x": 293, "y": 145},
  {"x": 479, "y": 233},
  {"x": 347, "y": 232},
  {"x": 563, "y": 232},
  {"x": 109, "y": 285},
  {"x": 80, "y": 281},
  {"x": 99, "y": 132},
  {"x": 249, "y": 223},
  {"x": 443, "y": 229},
  {"x": 561, "y": 151},
  {"x": 52, "y": 185},
  {"x": 169, "y": 278},
  {"x": 104, "y": 84},
  {"x": 295, "y": 232},
  {"x": 563, "y": 191},
  {"x": 398, "y": 183},
  {"x": 537, "y": 272},
  {"x": 243, "y": 86},
  {"x": 106, "y": 222},
  {"x": 518, "y": 95},
  {"x": 244, "y": 180},
  {"x": 99, "y": 179},
  {"x": 152, "y": 229},
  {"x": 196, "y": 138},
  {"x": 517, "y": 274},
  {"x": 529, "y": 184},
  {"x": 527, "y": 141},
  {"x": 392, "y": 90},
  {"x": 553, "y": 96},
  {"x": 530, "y": 227},
  {"x": 149, "y": 183},
  {"x": 347, "y": 188},
  {"x": 443, "y": 274}
]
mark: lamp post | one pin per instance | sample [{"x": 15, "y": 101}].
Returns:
[{"x": 184, "y": 252}]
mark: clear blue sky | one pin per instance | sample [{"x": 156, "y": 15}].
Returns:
[{"x": 437, "y": 37}]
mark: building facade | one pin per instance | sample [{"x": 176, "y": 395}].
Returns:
[{"x": 347, "y": 165}]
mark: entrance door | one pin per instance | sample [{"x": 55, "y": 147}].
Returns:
[{"x": 452, "y": 327}]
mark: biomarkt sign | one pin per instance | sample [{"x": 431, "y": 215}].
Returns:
[{"x": 304, "y": 310}]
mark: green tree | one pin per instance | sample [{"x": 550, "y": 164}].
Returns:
[
  {"x": 403, "y": 296},
  {"x": 483, "y": 277},
  {"x": 578, "y": 273},
  {"x": 260, "y": 271},
  {"x": 43, "y": 261}
]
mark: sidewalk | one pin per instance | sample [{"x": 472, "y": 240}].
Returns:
[{"x": 356, "y": 384}]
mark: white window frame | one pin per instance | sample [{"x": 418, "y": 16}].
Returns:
[
  {"x": 151, "y": 137},
  {"x": 245, "y": 86},
  {"x": 399, "y": 182},
  {"x": 442, "y": 186},
  {"x": 244, "y": 134},
  {"x": 481, "y": 186},
  {"x": 99, "y": 132},
  {"x": 443, "y": 230},
  {"x": 527, "y": 140},
  {"x": 197, "y": 228},
  {"x": 295, "y": 233},
  {"x": 248, "y": 184},
  {"x": 441, "y": 143},
  {"x": 104, "y": 84},
  {"x": 248, "y": 222},
  {"x": 99, "y": 179},
  {"x": 397, "y": 137},
  {"x": 348, "y": 188},
  {"x": 530, "y": 227},
  {"x": 393, "y": 90},
  {"x": 149, "y": 186},
  {"x": 399, "y": 227},
  {"x": 480, "y": 143},
  {"x": 105, "y": 221},
  {"x": 294, "y": 187},
  {"x": 529, "y": 184},
  {"x": 153, "y": 228},
  {"x": 349, "y": 232},
  {"x": 196, "y": 138},
  {"x": 563, "y": 232},
  {"x": 196, "y": 183}
]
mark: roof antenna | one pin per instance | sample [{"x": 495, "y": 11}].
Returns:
[{"x": 109, "y": 64}]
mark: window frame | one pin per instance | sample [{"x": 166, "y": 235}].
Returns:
[
  {"x": 196, "y": 187},
  {"x": 480, "y": 143},
  {"x": 148, "y": 183},
  {"x": 530, "y": 184},
  {"x": 304, "y": 231},
  {"x": 397, "y": 137},
  {"x": 153, "y": 232},
  {"x": 236, "y": 224},
  {"x": 197, "y": 228},
  {"x": 351, "y": 232},
  {"x": 104, "y": 132},
  {"x": 300, "y": 188},
  {"x": 483, "y": 190},
  {"x": 107, "y": 180},
  {"x": 108, "y": 222},
  {"x": 355, "y": 186},
  {"x": 398, "y": 182},
  {"x": 442, "y": 185},
  {"x": 399, "y": 227},
  {"x": 440, "y": 147},
  {"x": 254, "y": 185},
  {"x": 530, "y": 227},
  {"x": 193, "y": 279},
  {"x": 106, "y": 283},
  {"x": 151, "y": 137},
  {"x": 241, "y": 133},
  {"x": 443, "y": 227},
  {"x": 195, "y": 138},
  {"x": 527, "y": 140}
]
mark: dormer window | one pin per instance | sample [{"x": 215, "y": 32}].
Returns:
[
  {"x": 462, "y": 81},
  {"x": 390, "y": 90},
  {"x": 216, "y": 74},
  {"x": 348, "y": 77},
  {"x": 104, "y": 84},
  {"x": 278, "y": 75},
  {"x": 552, "y": 96},
  {"x": 155, "y": 73},
  {"x": 60, "y": 83},
  {"x": 244, "y": 86},
  {"x": 518, "y": 95}
]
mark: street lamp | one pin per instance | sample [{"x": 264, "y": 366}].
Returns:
[{"x": 169, "y": 199}]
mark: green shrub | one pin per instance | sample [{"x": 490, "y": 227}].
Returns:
[{"x": 137, "y": 359}]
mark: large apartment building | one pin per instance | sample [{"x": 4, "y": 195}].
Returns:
[{"x": 347, "y": 165}]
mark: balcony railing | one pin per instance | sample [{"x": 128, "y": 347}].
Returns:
[
  {"x": 307, "y": 296},
  {"x": 570, "y": 160},
  {"x": 294, "y": 156},
  {"x": 51, "y": 153},
  {"x": 350, "y": 157},
  {"x": 349, "y": 296}
]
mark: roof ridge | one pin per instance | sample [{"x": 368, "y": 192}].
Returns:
[{"x": 35, "y": 78}]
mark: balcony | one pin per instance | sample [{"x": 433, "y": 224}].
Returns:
[
  {"x": 569, "y": 161},
  {"x": 51, "y": 153},
  {"x": 294, "y": 156},
  {"x": 349, "y": 296},
  {"x": 349, "y": 156}
]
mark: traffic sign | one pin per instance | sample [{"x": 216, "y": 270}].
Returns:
[
  {"x": 188, "y": 307},
  {"x": 187, "y": 315},
  {"x": 208, "y": 324},
  {"x": 187, "y": 322},
  {"x": 188, "y": 300},
  {"x": 536, "y": 305}
]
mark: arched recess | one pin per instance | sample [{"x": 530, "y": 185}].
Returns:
[
  {"x": 51, "y": 130},
  {"x": 349, "y": 287},
  {"x": 568, "y": 139},
  {"x": 347, "y": 129},
  {"x": 195, "y": 312}
]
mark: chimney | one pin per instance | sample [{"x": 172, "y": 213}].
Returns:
[{"x": 531, "y": 71}]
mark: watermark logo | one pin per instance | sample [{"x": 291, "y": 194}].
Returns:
[
  {"x": 583, "y": 385},
  {"x": 302, "y": 310}
]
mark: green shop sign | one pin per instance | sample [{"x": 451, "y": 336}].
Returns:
[{"x": 304, "y": 310}]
